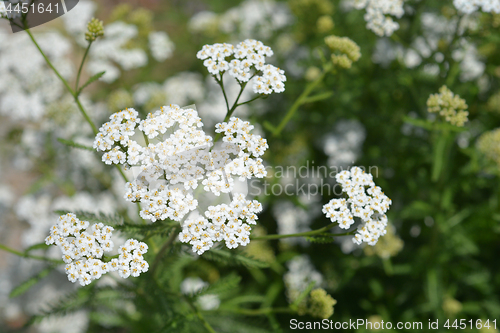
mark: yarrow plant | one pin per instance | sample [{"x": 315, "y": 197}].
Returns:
[
  {"x": 83, "y": 247},
  {"x": 365, "y": 201}
]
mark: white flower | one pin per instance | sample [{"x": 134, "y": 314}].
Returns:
[
  {"x": 470, "y": 6},
  {"x": 301, "y": 273},
  {"x": 178, "y": 157},
  {"x": 365, "y": 201},
  {"x": 83, "y": 248},
  {"x": 243, "y": 62},
  {"x": 228, "y": 223},
  {"x": 161, "y": 46},
  {"x": 376, "y": 15}
]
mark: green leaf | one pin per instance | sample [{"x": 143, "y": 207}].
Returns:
[
  {"x": 234, "y": 258},
  {"x": 89, "y": 81},
  {"x": 74, "y": 144},
  {"x": 317, "y": 97},
  {"x": 23, "y": 287}
]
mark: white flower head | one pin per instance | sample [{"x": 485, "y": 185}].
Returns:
[
  {"x": 366, "y": 201},
  {"x": 180, "y": 155},
  {"x": 378, "y": 15},
  {"x": 244, "y": 61},
  {"x": 83, "y": 249}
]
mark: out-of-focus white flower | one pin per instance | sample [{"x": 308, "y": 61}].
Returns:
[
  {"x": 470, "y": 6},
  {"x": 160, "y": 45},
  {"x": 290, "y": 220},
  {"x": 301, "y": 273},
  {"x": 365, "y": 201},
  {"x": 251, "y": 18},
  {"x": 343, "y": 146},
  {"x": 111, "y": 48},
  {"x": 471, "y": 66},
  {"x": 28, "y": 88},
  {"x": 378, "y": 15},
  {"x": 190, "y": 286},
  {"x": 76, "y": 20},
  {"x": 184, "y": 87}
]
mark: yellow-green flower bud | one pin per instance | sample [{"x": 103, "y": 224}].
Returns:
[
  {"x": 387, "y": 246},
  {"x": 341, "y": 61},
  {"x": 494, "y": 103},
  {"x": 489, "y": 145},
  {"x": 451, "y": 306},
  {"x": 450, "y": 106},
  {"x": 321, "y": 304},
  {"x": 120, "y": 99},
  {"x": 325, "y": 24},
  {"x": 95, "y": 29},
  {"x": 312, "y": 73},
  {"x": 349, "y": 50}
]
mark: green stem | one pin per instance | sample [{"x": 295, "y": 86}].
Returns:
[
  {"x": 300, "y": 234},
  {"x": 26, "y": 255},
  {"x": 299, "y": 101},
  {"x": 81, "y": 67},
  {"x": 66, "y": 84},
  {"x": 232, "y": 109},
  {"x": 49, "y": 63},
  {"x": 221, "y": 83},
  {"x": 249, "y": 101}
]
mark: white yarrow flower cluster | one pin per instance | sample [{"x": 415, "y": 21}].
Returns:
[
  {"x": 365, "y": 201},
  {"x": 228, "y": 223},
  {"x": 470, "y": 6},
  {"x": 377, "y": 15},
  {"x": 244, "y": 61},
  {"x": 178, "y": 157},
  {"x": 84, "y": 247}
]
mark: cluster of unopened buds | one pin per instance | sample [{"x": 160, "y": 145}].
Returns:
[
  {"x": 245, "y": 61},
  {"x": 365, "y": 201},
  {"x": 83, "y": 249}
]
